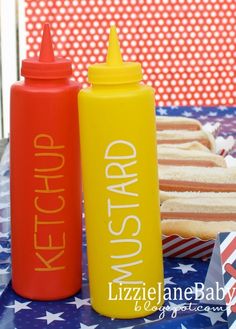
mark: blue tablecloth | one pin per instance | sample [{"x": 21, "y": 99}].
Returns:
[{"x": 76, "y": 312}]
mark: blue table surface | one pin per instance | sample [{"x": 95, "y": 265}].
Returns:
[{"x": 76, "y": 312}]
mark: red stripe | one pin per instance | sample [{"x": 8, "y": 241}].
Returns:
[
  {"x": 231, "y": 290},
  {"x": 177, "y": 253},
  {"x": 200, "y": 250},
  {"x": 228, "y": 250},
  {"x": 179, "y": 243},
  {"x": 230, "y": 270}
]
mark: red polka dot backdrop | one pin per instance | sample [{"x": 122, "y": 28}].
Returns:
[{"x": 187, "y": 47}]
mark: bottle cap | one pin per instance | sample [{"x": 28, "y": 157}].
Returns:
[
  {"x": 114, "y": 71},
  {"x": 46, "y": 66}
]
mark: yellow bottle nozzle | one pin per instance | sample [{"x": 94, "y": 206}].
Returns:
[
  {"x": 114, "y": 71},
  {"x": 114, "y": 54}
]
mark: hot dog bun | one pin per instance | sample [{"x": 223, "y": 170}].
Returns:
[
  {"x": 191, "y": 146},
  {"x": 197, "y": 179},
  {"x": 198, "y": 217},
  {"x": 166, "y": 195},
  {"x": 177, "y": 123},
  {"x": 173, "y": 156},
  {"x": 185, "y": 136}
]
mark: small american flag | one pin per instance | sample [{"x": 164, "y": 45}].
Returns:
[{"x": 228, "y": 261}]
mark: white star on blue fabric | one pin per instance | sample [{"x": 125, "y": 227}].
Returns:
[
  {"x": 18, "y": 306},
  {"x": 4, "y": 220},
  {"x": 212, "y": 114},
  {"x": 162, "y": 111},
  {"x": 222, "y": 108},
  {"x": 6, "y": 250},
  {"x": 185, "y": 268},
  {"x": 197, "y": 108},
  {"x": 187, "y": 114},
  {"x": 4, "y": 235},
  {"x": 51, "y": 317},
  {"x": 84, "y": 326},
  {"x": 84, "y": 277},
  {"x": 183, "y": 327},
  {"x": 79, "y": 302},
  {"x": 214, "y": 317},
  {"x": 5, "y": 270},
  {"x": 169, "y": 281}
]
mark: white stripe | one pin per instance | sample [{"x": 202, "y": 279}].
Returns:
[
  {"x": 204, "y": 244},
  {"x": 233, "y": 301},
  {"x": 229, "y": 284},
  {"x": 233, "y": 325},
  {"x": 204, "y": 253},
  {"x": 179, "y": 248},
  {"x": 227, "y": 241}
]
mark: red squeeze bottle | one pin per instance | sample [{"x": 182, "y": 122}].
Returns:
[{"x": 45, "y": 178}]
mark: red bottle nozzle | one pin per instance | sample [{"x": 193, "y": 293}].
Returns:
[
  {"x": 46, "y": 66},
  {"x": 46, "y": 50}
]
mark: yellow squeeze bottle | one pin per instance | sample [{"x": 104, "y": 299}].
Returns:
[{"x": 119, "y": 166}]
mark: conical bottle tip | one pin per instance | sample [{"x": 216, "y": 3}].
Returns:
[
  {"x": 114, "y": 54},
  {"x": 46, "y": 49}
]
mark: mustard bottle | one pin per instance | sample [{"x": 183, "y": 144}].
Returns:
[{"x": 120, "y": 184}]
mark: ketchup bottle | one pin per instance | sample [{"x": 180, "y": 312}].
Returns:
[{"x": 45, "y": 178}]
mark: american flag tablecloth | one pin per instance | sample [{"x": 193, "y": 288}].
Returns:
[{"x": 76, "y": 312}]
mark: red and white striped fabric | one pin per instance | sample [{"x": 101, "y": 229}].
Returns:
[
  {"x": 175, "y": 246},
  {"x": 228, "y": 261}
]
